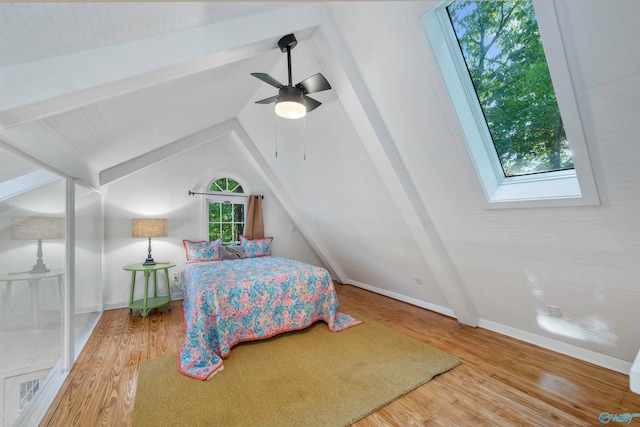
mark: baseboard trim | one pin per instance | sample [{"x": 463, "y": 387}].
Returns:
[
  {"x": 579, "y": 353},
  {"x": 589, "y": 356},
  {"x": 413, "y": 301}
]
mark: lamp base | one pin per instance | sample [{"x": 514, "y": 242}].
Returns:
[
  {"x": 40, "y": 267},
  {"x": 149, "y": 261}
]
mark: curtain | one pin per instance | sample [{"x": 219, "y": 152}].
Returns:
[{"x": 254, "y": 227}]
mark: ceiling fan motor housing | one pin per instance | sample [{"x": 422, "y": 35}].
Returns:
[
  {"x": 288, "y": 41},
  {"x": 291, "y": 103},
  {"x": 292, "y": 94}
]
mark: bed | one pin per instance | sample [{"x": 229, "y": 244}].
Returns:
[{"x": 230, "y": 301}]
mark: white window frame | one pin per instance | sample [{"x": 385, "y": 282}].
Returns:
[
  {"x": 559, "y": 188},
  {"x": 222, "y": 197}
]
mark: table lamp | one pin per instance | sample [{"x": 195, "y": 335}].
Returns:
[
  {"x": 148, "y": 227},
  {"x": 38, "y": 228}
]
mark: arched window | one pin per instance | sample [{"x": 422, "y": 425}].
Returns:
[{"x": 226, "y": 207}]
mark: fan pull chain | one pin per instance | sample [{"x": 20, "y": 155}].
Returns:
[{"x": 304, "y": 137}]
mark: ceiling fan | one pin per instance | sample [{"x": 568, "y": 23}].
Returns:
[{"x": 292, "y": 101}]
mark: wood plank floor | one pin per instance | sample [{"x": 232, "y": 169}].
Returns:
[{"x": 501, "y": 381}]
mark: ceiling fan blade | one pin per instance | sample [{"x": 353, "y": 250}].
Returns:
[
  {"x": 311, "y": 103},
  {"x": 315, "y": 83},
  {"x": 268, "y": 79},
  {"x": 268, "y": 100}
]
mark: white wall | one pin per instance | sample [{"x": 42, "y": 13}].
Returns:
[
  {"x": 339, "y": 189},
  {"x": 515, "y": 262},
  {"x": 161, "y": 191}
]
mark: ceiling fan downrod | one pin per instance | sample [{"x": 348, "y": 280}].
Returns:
[{"x": 287, "y": 43}]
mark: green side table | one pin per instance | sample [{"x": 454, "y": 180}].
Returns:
[{"x": 148, "y": 303}]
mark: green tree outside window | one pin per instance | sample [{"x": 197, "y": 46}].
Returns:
[
  {"x": 226, "y": 218},
  {"x": 501, "y": 45}
]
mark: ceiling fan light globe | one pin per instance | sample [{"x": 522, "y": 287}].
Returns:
[{"x": 290, "y": 109}]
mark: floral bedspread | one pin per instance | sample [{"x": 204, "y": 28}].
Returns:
[{"x": 227, "y": 302}]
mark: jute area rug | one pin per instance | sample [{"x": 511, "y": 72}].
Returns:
[{"x": 312, "y": 377}]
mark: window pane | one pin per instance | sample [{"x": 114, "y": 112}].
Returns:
[
  {"x": 214, "y": 232},
  {"x": 239, "y": 231},
  {"x": 231, "y": 185},
  {"x": 219, "y": 185},
  {"x": 227, "y": 232},
  {"x": 214, "y": 212},
  {"x": 227, "y": 212},
  {"x": 238, "y": 213},
  {"x": 501, "y": 46},
  {"x": 32, "y": 258}
]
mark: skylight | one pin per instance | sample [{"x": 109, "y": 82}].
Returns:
[
  {"x": 506, "y": 74},
  {"x": 501, "y": 46}
]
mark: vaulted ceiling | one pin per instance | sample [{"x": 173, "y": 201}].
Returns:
[
  {"x": 117, "y": 80},
  {"x": 98, "y": 90}
]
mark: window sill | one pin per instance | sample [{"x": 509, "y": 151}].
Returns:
[{"x": 547, "y": 190}]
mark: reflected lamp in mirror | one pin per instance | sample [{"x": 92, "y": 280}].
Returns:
[
  {"x": 38, "y": 228},
  {"x": 148, "y": 227}
]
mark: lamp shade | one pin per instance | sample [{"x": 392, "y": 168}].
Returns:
[
  {"x": 38, "y": 228},
  {"x": 290, "y": 103},
  {"x": 290, "y": 110},
  {"x": 148, "y": 227}
]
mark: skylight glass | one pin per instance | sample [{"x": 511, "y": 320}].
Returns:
[{"x": 501, "y": 46}]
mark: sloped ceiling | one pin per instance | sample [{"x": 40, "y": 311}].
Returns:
[
  {"x": 378, "y": 178},
  {"x": 112, "y": 83},
  {"x": 33, "y": 32},
  {"x": 113, "y": 131}
]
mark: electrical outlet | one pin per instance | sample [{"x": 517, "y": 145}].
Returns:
[
  {"x": 554, "y": 311},
  {"x": 418, "y": 281}
]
